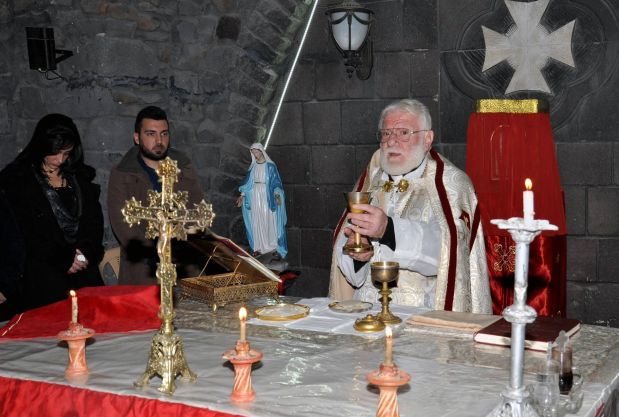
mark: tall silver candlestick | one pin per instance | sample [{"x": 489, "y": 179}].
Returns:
[{"x": 515, "y": 398}]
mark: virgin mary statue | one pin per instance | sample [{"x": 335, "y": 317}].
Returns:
[{"x": 262, "y": 200}]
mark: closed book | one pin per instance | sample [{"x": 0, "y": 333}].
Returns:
[{"x": 537, "y": 335}]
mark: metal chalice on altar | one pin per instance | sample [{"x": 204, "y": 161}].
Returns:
[
  {"x": 357, "y": 197},
  {"x": 384, "y": 273}
]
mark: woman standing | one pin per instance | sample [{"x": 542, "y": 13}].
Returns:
[{"x": 56, "y": 209}]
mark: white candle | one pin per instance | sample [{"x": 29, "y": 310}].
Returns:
[
  {"x": 388, "y": 346},
  {"x": 527, "y": 201},
  {"x": 242, "y": 318},
  {"x": 73, "y": 306}
]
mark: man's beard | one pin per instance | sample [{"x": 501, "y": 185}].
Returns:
[
  {"x": 413, "y": 160},
  {"x": 153, "y": 156}
]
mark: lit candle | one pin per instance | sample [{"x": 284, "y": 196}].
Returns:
[
  {"x": 242, "y": 318},
  {"x": 527, "y": 200},
  {"x": 73, "y": 306},
  {"x": 388, "y": 346}
]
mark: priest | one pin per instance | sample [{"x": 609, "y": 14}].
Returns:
[{"x": 422, "y": 214}]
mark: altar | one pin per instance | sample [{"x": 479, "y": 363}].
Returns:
[{"x": 303, "y": 372}]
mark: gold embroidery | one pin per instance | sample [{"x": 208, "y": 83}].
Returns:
[
  {"x": 402, "y": 186},
  {"x": 506, "y": 258}
]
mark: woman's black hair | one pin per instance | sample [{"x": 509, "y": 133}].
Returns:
[{"x": 54, "y": 133}]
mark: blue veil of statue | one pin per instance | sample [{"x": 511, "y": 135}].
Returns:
[{"x": 274, "y": 184}]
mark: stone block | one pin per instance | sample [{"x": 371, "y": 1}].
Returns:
[
  {"x": 204, "y": 156},
  {"x": 602, "y": 310},
  {"x": 293, "y": 236},
  {"x": 387, "y": 29},
  {"x": 616, "y": 163},
  {"x": 456, "y": 154},
  {"x": 420, "y": 27},
  {"x": 234, "y": 164},
  {"x": 92, "y": 26},
  {"x": 119, "y": 28},
  {"x": 113, "y": 57},
  {"x": 313, "y": 282},
  {"x": 255, "y": 45},
  {"x": 318, "y": 41},
  {"x": 575, "y": 165},
  {"x": 330, "y": 80},
  {"x": 582, "y": 256},
  {"x": 210, "y": 131},
  {"x": 575, "y": 210},
  {"x": 114, "y": 134},
  {"x": 309, "y": 207},
  {"x": 102, "y": 161},
  {"x": 316, "y": 248},
  {"x": 228, "y": 27},
  {"x": 256, "y": 70},
  {"x": 246, "y": 109},
  {"x": 5, "y": 120},
  {"x": 7, "y": 83},
  {"x": 425, "y": 73},
  {"x": 184, "y": 31},
  {"x": 189, "y": 8},
  {"x": 331, "y": 167},
  {"x": 360, "y": 121},
  {"x": 363, "y": 155},
  {"x": 302, "y": 83},
  {"x": 274, "y": 14},
  {"x": 225, "y": 6},
  {"x": 460, "y": 14},
  {"x": 608, "y": 261},
  {"x": 186, "y": 81},
  {"x": 321, "y": 121},
  {"x": 602, "y": 203},
  {"x": 289, "y": 126},
  {"x": 335, "y": 203},
  {"x": 455, "y": 106},
  {"x": 576, "y": 304},
  {"x": 393, "y": 74},
  {"x": 225, "y": 184},
  {"x": 292, "y": 162}
]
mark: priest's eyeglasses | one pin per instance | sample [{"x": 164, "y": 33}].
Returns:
[{"x": 401, "y": 134}]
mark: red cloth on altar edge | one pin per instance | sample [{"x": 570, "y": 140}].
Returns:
[
  {"x": 110, "y": 309},
  {"x": 25, "y": 398}
]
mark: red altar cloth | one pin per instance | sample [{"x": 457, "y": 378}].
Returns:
[
  {"x": 503, "y": 150},
  {"x": 23, "y": 398},
  {"x": 109, "y": 309}
]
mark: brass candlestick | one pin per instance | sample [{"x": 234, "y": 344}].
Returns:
[
  {"x": 357, "y": 197},
  {"x": 385, "y": 272},
  {"x": 167, "y": 218}
]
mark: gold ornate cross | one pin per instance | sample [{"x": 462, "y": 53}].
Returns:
[{"x": 168, "y": 218}]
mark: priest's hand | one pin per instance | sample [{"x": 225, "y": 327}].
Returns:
[
  {"x": 371, "y": 223},
  {"x": 363, "y": 256}
]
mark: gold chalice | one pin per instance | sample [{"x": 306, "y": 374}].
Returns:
[
  {"x": 357, "y": 197},
  {"x": 386, "y": 272}
]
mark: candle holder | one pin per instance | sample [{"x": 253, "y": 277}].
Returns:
[
  {"x": 516, "y": 401},
  {"x": 357, "y": 197},
  {"x": 76, "y": 336},
  {"x": 242, "y": 357},
  {"x": 388, "y": 378}
]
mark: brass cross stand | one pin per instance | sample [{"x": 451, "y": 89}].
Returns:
[{"x": 167, "y": 218}]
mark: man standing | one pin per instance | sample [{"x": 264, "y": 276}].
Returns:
[
  {"x": 423, "y": 215},
  {"x": 133, "y": 177}
]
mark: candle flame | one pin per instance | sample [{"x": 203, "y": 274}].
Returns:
[
  {"x": 242, "y": 313},
  {"x": 388, "y": 331},
  {"x": 528, "y": 184},
  {"x": 72, "y": 293}
]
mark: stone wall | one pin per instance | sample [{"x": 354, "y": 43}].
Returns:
[{"x": 217, "y": 67}]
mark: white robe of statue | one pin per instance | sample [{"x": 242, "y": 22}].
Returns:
[{"x": 264, "y": 226}]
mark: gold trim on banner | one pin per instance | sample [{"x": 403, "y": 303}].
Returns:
[{"x": 511, "y": 106}]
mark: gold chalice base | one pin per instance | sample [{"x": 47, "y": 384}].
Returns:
[
  {"x": 369, "y": 324},
  {"x": 360, "y": 248},
  {"x": 388, "y": 318}
]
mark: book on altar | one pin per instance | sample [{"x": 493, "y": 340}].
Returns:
[
  {"x": 537, "y": 334},
  {"x": 467, "y": 322}
]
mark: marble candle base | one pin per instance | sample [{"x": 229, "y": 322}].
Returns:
[
  {"x": 388, "y": 378},
  {"x": 242, "y": 357}
]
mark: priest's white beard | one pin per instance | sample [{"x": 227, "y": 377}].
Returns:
[{"x": 413, "y": 159}]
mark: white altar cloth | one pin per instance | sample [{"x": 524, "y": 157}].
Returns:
[{"x": 309, "y": 378}]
